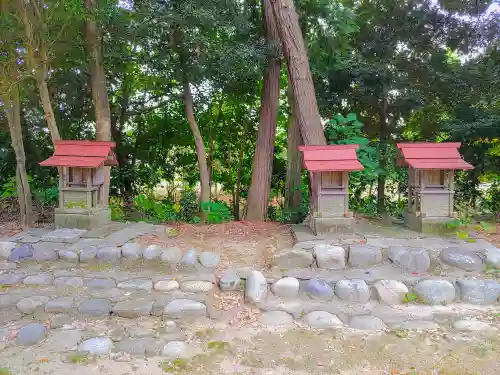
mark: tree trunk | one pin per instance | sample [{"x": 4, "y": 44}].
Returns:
[
  {"x": 98, "y": 85},
  {"x": 237, "y": 192},
  {"x": 299, "y": 73},
  {"x": 293, "y": 193},
  {"x": 262, "y": 167},
  {"x": 38, "y": 59},
  {"x": 200, "y": 146},
  {"x": 384, "y": 134},
  {"x": 13, "y": 112}
]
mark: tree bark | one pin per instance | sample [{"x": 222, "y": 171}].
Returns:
[
  {"x": 307, "y": 112},
  {"x": 384, "y": 134},
  {"x": 293, "y": 193},
  {"x": 262, "y": 166},
  {"x": 38, "y": 58},
  {"x": 13, "y": 113},
  {"x": 200, "y": 146},
  {"x": 98, "y": 85}
]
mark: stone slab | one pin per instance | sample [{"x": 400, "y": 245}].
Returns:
[
  {"x": 24, "y": 237},
  {"x": 130, "y": 232},
  {"x": 105, "y": 230},
  {"x": 64, "y": 235}
]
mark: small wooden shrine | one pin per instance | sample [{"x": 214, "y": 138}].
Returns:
[
  {"x": 329, "y": 168},
  {"x": 82, "y": 183},
  {"x": 431, "y": 169}
]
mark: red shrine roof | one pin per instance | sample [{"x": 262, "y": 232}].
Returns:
[
  {"x": 331, "y": 158},
  {"x": 426, "y": 155},
  {"x": 83, "y": 154}
]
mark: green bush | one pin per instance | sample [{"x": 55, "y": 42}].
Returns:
[
  {"x": 216, "y": 212},
  {"x": 47, "y": 197},
  {"x": 116, "y": 205},
  {"x": 156, "y": 211},
  {"x": 189, "y": 206}
]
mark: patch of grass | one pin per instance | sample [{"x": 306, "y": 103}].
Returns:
[
  {"x": 96, "y": 267},
  {"x": 204, "y": 333},
  {"x": 4, "y": 287},
  {"x": 401, "y": 333},
  {"x": 492, "y": 271},
  {"x": 218, "y": 345},
  {"x": 5, "y": 371},
  {"x": 78, "y": 358},
  {"x": 412, "y": 298},
  {"x": 174, "y": 366}
]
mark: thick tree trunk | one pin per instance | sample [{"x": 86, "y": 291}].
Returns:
[
  {"x": 384, "y": 134},
  {"x": 98, "y": 85},
  {"x": 31, "y": 13},
  {"x": 299, "y": 73},
  {"x": 262, "y": 167},
  {"x": 293, "y": 193},
  {"x": 13, "y": 112},
  {"x": 200, "y": 146},
  {"x": 306, "y": 107}
]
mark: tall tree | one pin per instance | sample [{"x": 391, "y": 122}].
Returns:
[
  {"x": 306, "y": 106},
  {"x": 258, "y": 195},
  {"x": 98, "y": 83},
  {"x": 13, "y": 113},
  {"x": 32, "y": 17}
]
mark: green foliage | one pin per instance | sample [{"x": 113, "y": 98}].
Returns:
[
  {"x": 189, "y": 206},
  {"x": 48, "y": 196},
  {"x": 412, "y": 298},
  {"x": 116, "y": 205},
  {"x": 216, "y": 212},
  {"x": 155, "y": 211}
]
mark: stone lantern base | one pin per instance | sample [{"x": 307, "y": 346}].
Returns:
[
  {"x": 435, "y": 225},
  {"x": 322, "y": 225},
  {"x": 82, "y": 218}
]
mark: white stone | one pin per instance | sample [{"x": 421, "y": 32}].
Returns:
[
  {"x": 136, "y": 284},
  {"x": 493, "y": 257},
  {"x": 6, "y": 248},
  {"x": 329, "y": 256},
  {"x": 322, "y": 319},
  {"x": 175, "y": 350},
  {"x": 255, "y": 287},
  {"x": 30, "y": 304},
  {"x": 166, "y": 285},
  {"x": 132, "y": 251},
  {"x": 196, "y": 286},
  {"x": 287, "y": 287},
  {"x": 362, "y": 255},
  {"x": 96, "y": 346},
  {"x": 391, "y": 292},
  {"x": 367, "y": 323},
  {"x": 435, "y": 292},
  {"x": 353, "y": 290},
  {"x": 152, "y": 252},
  {"x": 472, "y": 325}
]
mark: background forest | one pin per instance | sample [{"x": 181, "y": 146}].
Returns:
[{"x": 204, "y": 108}]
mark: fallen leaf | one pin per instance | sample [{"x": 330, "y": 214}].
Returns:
[{"x": 43, "y": 360}]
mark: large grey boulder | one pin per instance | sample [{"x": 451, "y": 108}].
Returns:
[
  {"x": 100, "y": 283},
  {"x": 318, "y": 289},
  {"x": 30, "y": 304},
  {"x": 179, "y": 308},
  {"x": 209, "y": 260},
  {"x": 414, "y": 259},
  {"x": 175, "y": 350},
  {"x": 275, "y": 318},
  {"x": 31, "y": 334},
  {"x": 59, "y": 305},
  {"x": 189, "y": 259},
  {"x": 329, "y": 256},
  {"x": 152, "y": 252},
  {"x": 171, "y": 255},
  {"x": 479, "y": 292},
  {"x": 255, "y": 287},
  {"x": 109, "y": 254},
  {"x": 136, "y": 284},
  {"x": 472, "y": 325},
  {"x": 322, "y": 319},
  {"x": 435, "y": 292},
  {"x": 21, "y": 252},
  {"x": 6, "y": 248},
  {"x": 88, "y": 253},
  {"x": 68, "y": 281},
  {"x": 196, "y": 286},
  {"x": 40, "y": 279},
  {"x": 287, "y": 287},
  {"x": 166, "y": 285},
  {"x": 292, "y": 258},
  {"x": 353, "y": 290},
  {"x": 391, "y": 292},
  {"x": 95, "y": 307},
  {"x": 361, "y": 255},
  {"x": 132, "y": 251},
  {"x": 367, "y": 323},
  {"x": 493, "y": 256},
  {"x": 96, "y": 346},
  {"x": 464, "y": 259},
  {"x": 133, "y": 308},
  {"x": 230, "y": 280}
]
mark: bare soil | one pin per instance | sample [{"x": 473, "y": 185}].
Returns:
[{"x": 239, "y": 243}]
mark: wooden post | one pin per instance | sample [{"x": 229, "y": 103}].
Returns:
[
  {"x": 62, "y": 178},
  {"x": 451, "y": 184},
  {"x": 345, "y": 189},
  {"x": 88, "y": 176}
]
